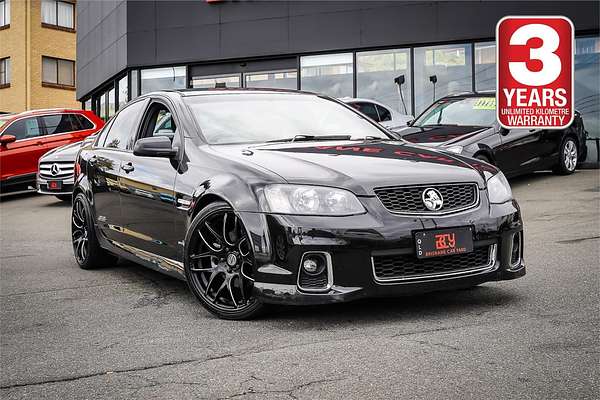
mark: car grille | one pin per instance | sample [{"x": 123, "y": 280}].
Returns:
[
  {"x": 399, "y": 267},
  {"x": 65, "y": 169},
  {"x": 408, "y": 199}
]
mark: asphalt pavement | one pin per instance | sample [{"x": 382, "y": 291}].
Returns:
[{"x": 126, "y": 332}]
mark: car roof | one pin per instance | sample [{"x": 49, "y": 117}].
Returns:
[
  {"x": 43, "y": 111},
  {"x": 217, "y": 91}
]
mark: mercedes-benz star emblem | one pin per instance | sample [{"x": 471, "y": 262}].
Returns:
[
  {"x": 432, "y": 199},
  {"x": 55, "y": 169}
]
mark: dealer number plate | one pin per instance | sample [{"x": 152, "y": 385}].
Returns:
[
  {"x": 443, "y": 242},
  {"x": 54, "y": 185}
]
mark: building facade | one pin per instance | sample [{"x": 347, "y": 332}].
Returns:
[
  {"x": 37, "y": 54},
  {"x": 357, "y": 48}
]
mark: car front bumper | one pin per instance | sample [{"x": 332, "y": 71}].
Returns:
[
  {"x": 66, "y": 187},
  {"x": 354, "y": 242}
]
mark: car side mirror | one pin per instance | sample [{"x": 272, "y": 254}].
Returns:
[
  {"x": 409, "y": 123},
  {"x": 155, "y": 146},
  {"x": 504, "y": 131},
  {"x": 6, "y": 139}
]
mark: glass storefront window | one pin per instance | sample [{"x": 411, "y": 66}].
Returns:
[
  {"x": 123, "y": 91},
  {"x": 330, "y": 74},
  {"x": 163, "y": 78},
  {"x": 485, "y": 66},
  {"x": 111, "y": 102},
  {"x": 210, "y": 82},
  {"x": 273, "y": 80},
  {"x": 102, "y": 107},
  {"x": 451, "y": 64},
  {"x": 134, "y": 84},
  {"x": 587, "y": 83},
  {"x": 375, "y": 74}
]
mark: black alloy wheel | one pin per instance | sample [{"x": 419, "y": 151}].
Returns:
[
  {"x": 219, "y": 263},
  {"x": 80, "y": 232},
  {"x": 86, "y": 248}
]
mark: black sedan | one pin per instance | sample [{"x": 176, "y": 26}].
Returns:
[
  {"x": 466, "y": 124},
  {"x": 257, "y": 197}
]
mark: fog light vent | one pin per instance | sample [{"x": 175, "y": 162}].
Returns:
[
  {"x": 516, "y": 250},
  {"x": 315, "y": 272}
]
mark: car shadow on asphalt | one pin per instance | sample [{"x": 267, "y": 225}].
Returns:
[{"x": 441, "y": 305}]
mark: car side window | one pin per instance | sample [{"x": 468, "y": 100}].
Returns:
[
  {"x": 25, "y": 128},
  {"x": 384, "y": 113},
  {"x": 84, "y": 122},
  {"x": 59, "y": 123},
  {"x": 368, "y": 109},
  {"x": 159, "y": 121},
  {"x": 124, "y": 127}
]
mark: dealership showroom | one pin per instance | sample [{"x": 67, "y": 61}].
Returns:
[{"x": 169, "y": 229}]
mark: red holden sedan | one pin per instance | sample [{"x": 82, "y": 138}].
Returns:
[{"x": 25, "y": 137}]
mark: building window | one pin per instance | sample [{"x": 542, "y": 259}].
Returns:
[
  {"x": 4, "y": 13},
  {"x": 272, "y": 80},
  {"x": 211, "y": 82},
  {"x": 134, "y": 92},
  {"x": 330, "y": 74},
  {"x": 376, "y": 72},
  {"x": 111, "y": 102},
  {"x": 123, "y": 86},
  {"x": 485, "y": 66},
  {"x": 440, "y": 71},
  {"x": 87, "y": 105},
  {"x": 58, "y": 13},
  {"x": 587, "y": 83},
  {"x": 58, "y": 72},
  {"x": 163, "y": 78},
  {"x": 4, "y": 72},
  {"x": 102, "y": 107}
]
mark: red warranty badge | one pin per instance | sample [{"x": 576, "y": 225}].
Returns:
[{"x": 535, "y": 72}]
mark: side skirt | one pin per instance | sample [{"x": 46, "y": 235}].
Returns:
[{"x": 149, "y": 260}]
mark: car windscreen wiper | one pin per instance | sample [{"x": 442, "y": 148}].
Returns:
[
  {"x": 307, "y": 138},
  {"x": 421, "y": 126}
]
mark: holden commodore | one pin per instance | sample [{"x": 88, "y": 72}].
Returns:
[{"x": 256, "y": 197}]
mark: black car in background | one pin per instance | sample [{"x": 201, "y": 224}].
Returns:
[
  {"x": 258, "y": 196},
  {"x": 466, "y": 124}
]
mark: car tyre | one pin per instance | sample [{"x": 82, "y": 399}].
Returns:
[
  {"x": 567, "y": 157},
  {"x": 219, "y": 263},
  {"x": 86, "y": 248}
]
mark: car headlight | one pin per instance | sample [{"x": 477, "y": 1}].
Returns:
[
  {"x": 499, "y": 189},
  {"x": 454, "y": 149},
  {"x": 311, "y": 200}
]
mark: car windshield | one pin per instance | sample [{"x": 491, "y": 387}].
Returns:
[
  {"x": 468, "y": 111},
  {"x": 263, "y": 117}
]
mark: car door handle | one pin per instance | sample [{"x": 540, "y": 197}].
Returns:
[{"x": 127, "y": 167}]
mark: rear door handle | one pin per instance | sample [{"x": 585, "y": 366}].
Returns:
[{"x": 127, "y": 167}]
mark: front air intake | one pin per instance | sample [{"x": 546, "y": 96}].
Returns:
[{"x": 315, "y": 272}]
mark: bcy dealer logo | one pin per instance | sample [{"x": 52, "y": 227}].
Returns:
[{"x": 535, "y": 72}]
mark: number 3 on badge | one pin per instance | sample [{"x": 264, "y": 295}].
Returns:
[{"x": 551, "y": 64}]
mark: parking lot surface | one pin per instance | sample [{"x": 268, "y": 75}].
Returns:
[{"x": 126, "y": 332}]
